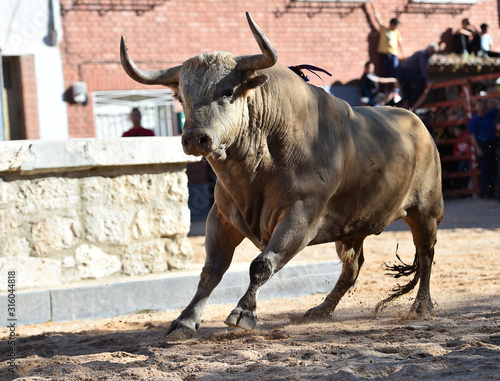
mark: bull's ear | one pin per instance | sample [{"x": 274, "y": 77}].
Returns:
[{"x": 257, "y": 80}]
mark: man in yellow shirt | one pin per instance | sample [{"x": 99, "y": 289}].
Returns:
[{"x": 389, "y": 45}]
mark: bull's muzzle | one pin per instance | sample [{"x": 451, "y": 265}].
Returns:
[{"x": 198, "y": 142}]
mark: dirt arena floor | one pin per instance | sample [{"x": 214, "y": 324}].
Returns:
[{"x": 461, "y": 341}]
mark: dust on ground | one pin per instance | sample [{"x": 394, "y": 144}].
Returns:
[{"x": 460, "y": 342}]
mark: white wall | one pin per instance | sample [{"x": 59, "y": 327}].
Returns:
[{"x": 33, "y": 27}]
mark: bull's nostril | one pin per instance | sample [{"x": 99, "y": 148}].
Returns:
[
  {"x": 185, "y": 141},
  {"x": 203, "y": 140}
]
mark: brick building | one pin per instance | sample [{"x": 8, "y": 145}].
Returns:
[{"x": 336, "y": 35}]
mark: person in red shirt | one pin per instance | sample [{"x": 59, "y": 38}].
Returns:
[
  {"x": 462, "y": 146},
  {"x": 137, "y": 129}
]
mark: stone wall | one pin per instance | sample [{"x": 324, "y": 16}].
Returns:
[{"x": 91, "y": 209}]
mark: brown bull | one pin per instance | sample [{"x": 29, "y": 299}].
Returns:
[{"x": 295, "y": 167}]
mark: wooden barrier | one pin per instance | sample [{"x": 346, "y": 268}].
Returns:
[{"x": 442, "y": 115}]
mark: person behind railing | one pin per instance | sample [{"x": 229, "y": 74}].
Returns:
[
  {"x": 137, "y": 129},
  {"x": 462, "y": 148},
  {"x": 482, "y": 134},
  {"x": 497, "y": 137}
]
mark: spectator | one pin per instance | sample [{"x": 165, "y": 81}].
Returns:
[
  {"x": 467, "y": 39},
  {"x": 482, "y": 134},
  {"x": 487, "y": 42},
  {"x": 389, "y": 44},
  {"x": 412, "y": 75},
  {"x": 498, "y": 157},
  {"x": 370, "y": 86},
  {"x": 461, "y": 148},
  {"x": 137, "y": 129},
  {"x": 492, "y": 106}
]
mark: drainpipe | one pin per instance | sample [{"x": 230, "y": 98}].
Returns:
[
  {"x": 55, "y": 28},
  {"x": 2, "y": 125}
]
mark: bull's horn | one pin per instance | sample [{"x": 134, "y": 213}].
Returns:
[
  {"x": 260, "y": 61},
  {"x": 164, "y": 77}
]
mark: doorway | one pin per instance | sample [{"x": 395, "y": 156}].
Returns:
[{"x": 14, "y": 128}]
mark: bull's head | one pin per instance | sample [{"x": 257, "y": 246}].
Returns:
[{"x": 213, "y": 88}]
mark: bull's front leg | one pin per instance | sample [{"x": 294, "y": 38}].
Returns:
[
  {"x": 245, "y": 315},
  {"x": 291, "y": 235},
  {"x": 220, "y": 241}
]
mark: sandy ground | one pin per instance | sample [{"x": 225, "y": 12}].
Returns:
[{"x": 460, "y": 342}]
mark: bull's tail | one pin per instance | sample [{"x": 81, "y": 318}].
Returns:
[{"x": 400, "y": 270}]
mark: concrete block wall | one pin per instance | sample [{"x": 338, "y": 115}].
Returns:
[{"x": 85, "y": 209}]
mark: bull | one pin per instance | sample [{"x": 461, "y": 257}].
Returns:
[{"x": 297, "y": 166}]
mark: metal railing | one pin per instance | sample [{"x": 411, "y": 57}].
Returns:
[
  {"x": 112, "y": 112},
  {"x": 454, "y": 108}
]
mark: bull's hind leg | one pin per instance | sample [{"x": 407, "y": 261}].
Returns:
[
  {"x": 423, "y": 227},
  {"x": 351, "y": 255},
  {"x": 220, "y": 242}
]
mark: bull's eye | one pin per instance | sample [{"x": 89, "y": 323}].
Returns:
[{"x": 228, "y": 93}]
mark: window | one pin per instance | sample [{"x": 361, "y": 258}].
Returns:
[
  {"x": 337, "y": 1},
  {"x": 112, "y": 112},
  {"x": 444, "y": 1}
]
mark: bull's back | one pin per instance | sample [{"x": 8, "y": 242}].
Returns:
[
  {"x": 398, "y": 131},
  {"x": 395, "y": 120}
]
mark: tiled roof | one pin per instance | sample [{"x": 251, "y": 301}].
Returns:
[{"x": 460, "y": 65}]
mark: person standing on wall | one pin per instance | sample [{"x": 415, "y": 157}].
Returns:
[{"x": 389, "y": 45}]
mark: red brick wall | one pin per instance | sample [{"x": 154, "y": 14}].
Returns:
[
  {"x": 337, "y": 38},
  {"x": 29, "y": 97}
]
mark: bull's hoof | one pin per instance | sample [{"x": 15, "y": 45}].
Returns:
[
  {"x": 178, "y": 331},
  {"x": 422, "y": 309},
  {"x": 318, "y": 314},
  {"x": 242, "y": 318}
]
